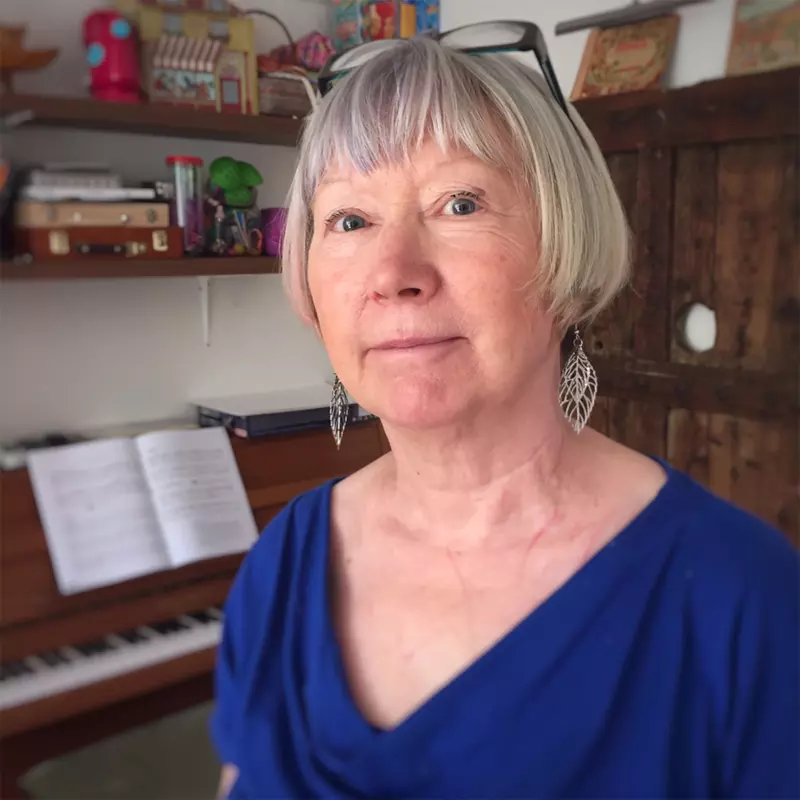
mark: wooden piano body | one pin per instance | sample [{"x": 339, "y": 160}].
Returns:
[{"x": 36, "y": 619}]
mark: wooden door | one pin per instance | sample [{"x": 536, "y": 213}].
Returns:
[{"x": 709, "y": 179}]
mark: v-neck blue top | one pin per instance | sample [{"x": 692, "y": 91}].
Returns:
[{"x": 667, "y": 666}]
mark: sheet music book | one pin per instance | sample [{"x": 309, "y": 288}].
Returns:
[{"x": 121, "y": 508}]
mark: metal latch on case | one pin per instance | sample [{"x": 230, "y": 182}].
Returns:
[
  {"x": 160, "y": 241},
  {"x": 58, "y": 242}
]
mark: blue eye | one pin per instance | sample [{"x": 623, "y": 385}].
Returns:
[
  {"x": 462, "y": 206},
  {"x": 349, "y": 222}
]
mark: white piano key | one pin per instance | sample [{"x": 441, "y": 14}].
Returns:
[{"x": 83, "y": 670}]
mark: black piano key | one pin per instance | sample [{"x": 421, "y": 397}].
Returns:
[
  {"x": 132, "y": 636},
  {"x": 168, "y": 626},
  {"x": 93, "y": 648},
  {"x": 14, "y": 669},
  {"x": 53, "y": 658},
  {"x": 201, "y": 616}
]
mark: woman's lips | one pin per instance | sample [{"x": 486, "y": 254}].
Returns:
[
  {"x": 414, "y": 342},
  {"x": 416, "y": 347}
]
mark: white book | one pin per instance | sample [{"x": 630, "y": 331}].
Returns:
[
  {"x": 120, "y": 508},
  {"x": 87, "y": 194}
]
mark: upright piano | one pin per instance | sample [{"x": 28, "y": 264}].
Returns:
[{"x": 76, "y": 669}]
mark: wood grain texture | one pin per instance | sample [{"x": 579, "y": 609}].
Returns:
[
  {"x": 694, "y": 239},
  {"x": 652, "y": 254},
  {"x": 750, "y": 393},
  {"x": 726, "y": 110},
  {"x": 753, "y": 464},
  {"x": 637, "y": 323},
  {"x": 612, "y": 334},
  {"x": 754, "y": 282},
  {"x": 640, "y": 426}
]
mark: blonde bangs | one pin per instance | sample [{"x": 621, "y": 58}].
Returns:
[{"x": 496, "y": 108}]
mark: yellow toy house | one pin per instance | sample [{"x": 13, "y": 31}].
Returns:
[{"x": 198, "y": 53}]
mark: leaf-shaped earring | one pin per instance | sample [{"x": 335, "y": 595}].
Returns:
[
  {"x": 338, "y": 411},
  {"x": 578, "y": 389}
]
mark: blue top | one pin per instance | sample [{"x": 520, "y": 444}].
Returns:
[{"x": 666, "y": 667}]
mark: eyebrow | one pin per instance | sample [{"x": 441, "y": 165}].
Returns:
[{"x": 331, "y": 181}]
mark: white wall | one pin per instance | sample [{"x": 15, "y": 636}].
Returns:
[{"x": 87, "y": 353}]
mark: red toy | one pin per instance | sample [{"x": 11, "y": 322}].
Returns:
[{"x": 112, "y": 53}]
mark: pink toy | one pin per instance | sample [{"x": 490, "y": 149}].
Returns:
[
  {"x": 314, "y": 50},
  {"x": 112, "y": 53}
]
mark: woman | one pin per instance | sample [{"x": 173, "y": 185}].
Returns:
[{"x": 508, "y": 604}]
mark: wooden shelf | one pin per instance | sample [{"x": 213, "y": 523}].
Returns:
[
  {"x": 153, "y": 268},
  {"x": 145, "y": 118}
]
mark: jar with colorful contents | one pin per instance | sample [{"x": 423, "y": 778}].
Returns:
[{"x": 187, "y": 204}]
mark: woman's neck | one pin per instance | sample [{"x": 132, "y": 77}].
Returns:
[{"x": 514, "y": 469}]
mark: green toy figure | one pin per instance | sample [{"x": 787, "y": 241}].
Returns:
[
  {"x": 236, "y": 180},
  {"x": 232, "y": 193}
]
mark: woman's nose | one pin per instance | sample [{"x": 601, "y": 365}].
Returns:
[{"x": 403, "y": 269}]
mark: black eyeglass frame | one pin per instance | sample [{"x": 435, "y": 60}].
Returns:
[{"x": 531, "y": 41}]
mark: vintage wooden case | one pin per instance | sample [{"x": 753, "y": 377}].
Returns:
[
  {"x": 28, "y": 214},
  {"x": 119, "y": 243}
]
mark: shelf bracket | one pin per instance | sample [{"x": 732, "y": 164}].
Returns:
[{"x": 203, "y": 285}]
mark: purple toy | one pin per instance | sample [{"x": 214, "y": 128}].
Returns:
[{"x": 273, "y": 222}]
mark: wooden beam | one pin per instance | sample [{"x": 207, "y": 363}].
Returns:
[
  {"x": 725, "y": 110},
  {"x": 755, "y": 395}
]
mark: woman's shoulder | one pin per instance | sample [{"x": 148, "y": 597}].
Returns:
[
  {"x": 287, "y": 547},
  {"x": 722, "y": 546}
]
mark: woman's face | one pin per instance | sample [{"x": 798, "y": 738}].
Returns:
[{"x": 420, "y": 277}]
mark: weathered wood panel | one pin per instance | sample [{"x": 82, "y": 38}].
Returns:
[
  {"x": 752, "y": 463},
  {"x": 637, "y": 322},
  {"x": 736, "y": 252},
  {"x": 640, "y": 426},
  {"x": 694, "y": 237},
  {"x": 743, "y": 108},
  {"x": 754, "y": 394},
  {"x": 612, "y": 333}
]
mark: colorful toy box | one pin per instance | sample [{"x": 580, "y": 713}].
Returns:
[
  {"x": 428, "y": 16},
  {"x": 358, "y": 21},
  {"x": 349, "y": 24}
]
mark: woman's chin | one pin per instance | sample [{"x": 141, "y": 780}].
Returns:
[{"x": 411, "y": 404}]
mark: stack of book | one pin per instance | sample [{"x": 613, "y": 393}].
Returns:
[{"x": 68, "y": 211}]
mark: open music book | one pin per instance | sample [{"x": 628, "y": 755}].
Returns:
[{"x": 116, "y": 509}]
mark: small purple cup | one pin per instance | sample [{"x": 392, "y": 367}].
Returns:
[{"x": 273, "y": 222}]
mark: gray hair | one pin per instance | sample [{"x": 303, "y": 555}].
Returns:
[{"x": 501, "y": 111}]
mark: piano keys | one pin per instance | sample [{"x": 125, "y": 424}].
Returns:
[{"x": 75, "y": 666}]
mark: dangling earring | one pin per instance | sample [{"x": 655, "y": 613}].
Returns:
[
  {"x": 338, "y": 411},
  {"x": 578, "y": 389}
]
